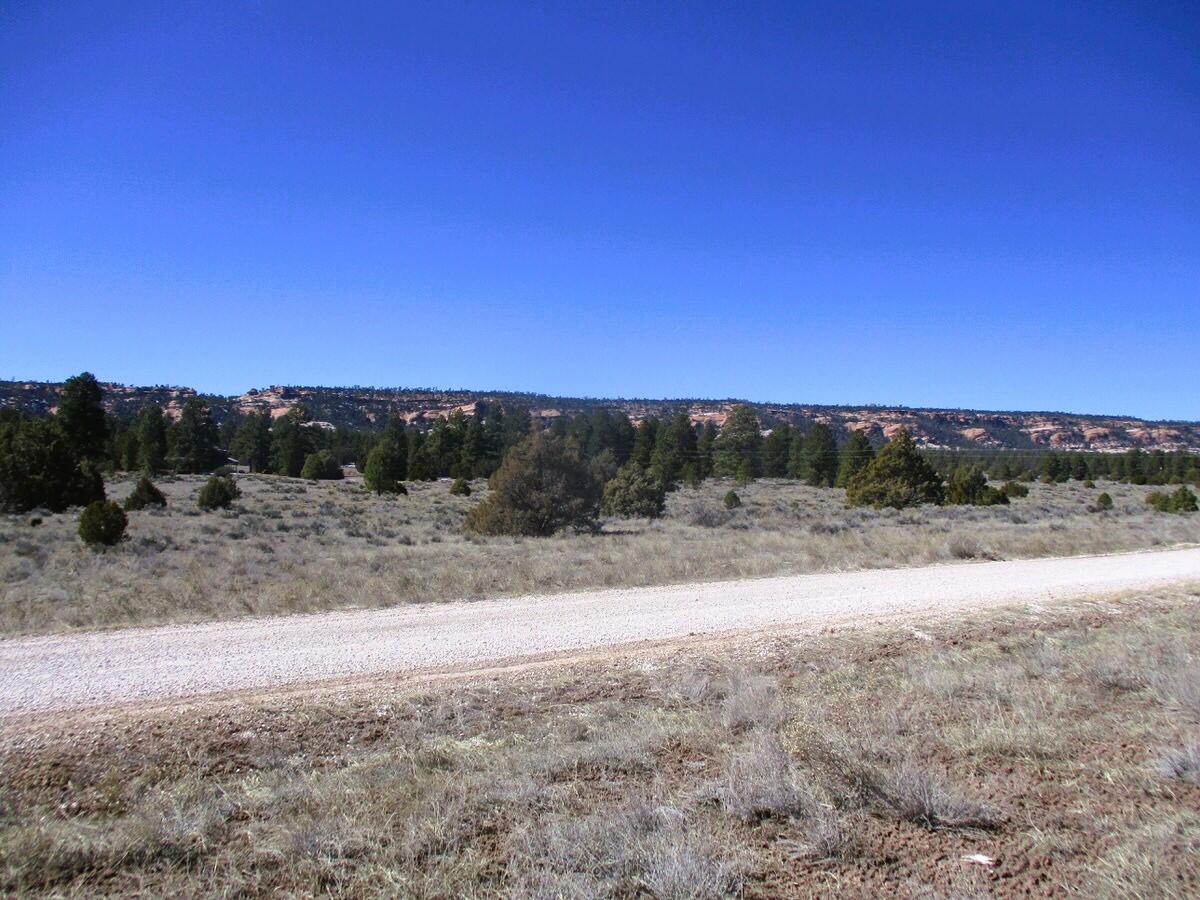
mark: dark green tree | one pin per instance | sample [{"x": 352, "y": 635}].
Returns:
[
  {"x": 460, "y": 487},
  {"x": 856, "y": 456},
  {"x": 151, "y": 430},
  {"x": 80, "y": 413},
  {"x": 542, "y": 486},
  {"x": 968, "y": 486},
  {"x": 739, "y": 439},
  {"x": 898, "y": 477},
  {"x": 704, "y": 450},
  {"x": 644, "y": 441},
  {"x": 291, "y": 442},
  {"x": 194, "y": 439},
  {"x": 251, "y": 444},
  {"x": 39, "y": 468},
  {"x": 820, "y": 456},
  {"x": 387, "y": 464},
  {"x": 776, "y": 447}
]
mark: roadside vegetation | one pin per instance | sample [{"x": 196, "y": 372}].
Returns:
[{"x": 1028, "y": 753}]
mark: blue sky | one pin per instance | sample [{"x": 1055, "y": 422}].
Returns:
[{"x": 991, "y": 205}]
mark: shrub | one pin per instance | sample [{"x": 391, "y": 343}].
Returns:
[
  {"x": 898, "y": 477},
  {"x": 218, "y": 492},
  {"x": 732, "y": 500},
  {"x": 1181, "y": 501},
  {"x": 460, "y": 487},
  {"x": 1013, "y": 489},
  {"x": 968, "y": 486},
  {"x": 745, "y": 473},
  {"x": 102, "y": 523},
  {"x": 145, "y": 494},
  {"x": 1104, "y": 501},
  {"x": 321, "y": 466},
  {"x": 634, "y": 492},
  {"x": 542, "y": 486},
  {"x": 1089, "y": 484}
]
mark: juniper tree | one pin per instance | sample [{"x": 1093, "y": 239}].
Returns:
[
  {"x": 898, "y": 477},
  {"x": 194, "y": 439},
  {"x": 634, "y": 492},
  {"x": 252, "y": 444},
  {"x": 80, "y": 414},
  {"x": 776, "y": 447}
]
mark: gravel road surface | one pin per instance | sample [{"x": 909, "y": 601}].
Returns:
[{"x": 115, "y": 667}]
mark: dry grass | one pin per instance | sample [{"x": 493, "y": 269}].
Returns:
[
  {"x": 863, "y": 764},
  {"x": 292, "y": 546}
]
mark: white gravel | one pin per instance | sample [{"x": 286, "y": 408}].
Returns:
[{"x": 59, "y": 672}]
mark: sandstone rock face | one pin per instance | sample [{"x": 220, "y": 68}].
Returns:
[{"x": 364, "y": 407}]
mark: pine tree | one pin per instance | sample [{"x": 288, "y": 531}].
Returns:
[
  {"x": 80, "y": 414},
  {"x": 251, "y": 445},
  {"x": 38, "y": 467},
  {"x": 820, "y": 456},
  {"x": 704, "y": 450},
  {"x": 644, "y": 440},
  {"x": 634, "y": 492},
  {"x": 151, "y": 430},
  {"x": 386, "y": 466},
  {"x": 291, "y": 443},
  {"x": 856, "y": 456},
  {"x": 776, "y": 447},
  {"x": 194, "y": 439},
  {"x": 739, "y": 439}
]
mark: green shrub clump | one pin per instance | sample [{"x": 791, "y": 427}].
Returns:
[
  {"x": 898, "y": 476},
  {"x": 732, "y": 500},
  {"x": 634, "y": 493},
  {"x": 542, "y": 486},
  {"x": 102, "y": 523},
  {"x": 969, "y": 487},
  {"x": 145, "y": 494},
  {"x": 386, "y": 465},
  {"x": 218, "y": 492},
  {"x": 1104, "y": 502},
  {"x": 1014, "y": 489},
  {"x": 460, "y": 487},
  {"x": 321, "y": 466},
  {"x": 1180, "y": 501}
]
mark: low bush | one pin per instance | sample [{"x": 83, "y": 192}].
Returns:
[
  {"x": 321, "y": 466},
  {"x": 1014, "y": 489},
  {"x": 1180, "y": 501},
  {"x": 1103, "y": 502},
  {"x": 218, "y": 492},
  {"x": 732, "y": 500},
  {"x": 102, "y": 523},
  {"x": 634, "y": 493},
  {"x": 460, "y": 487},
  {"x": 968, "y": 487},
  {"x": 145, "y": 494}
]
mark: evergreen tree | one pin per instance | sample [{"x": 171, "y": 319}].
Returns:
[
  {"x": 194, "y": 439},
  {"x": 80, "y": 414},
  {"x": 471, "y": 461},
  {"x": 218, "y": 492},
  {"x": 797, "y": 462},
  {"x": 776, "y": 447},
  {"x": 644, "y": 440},
  {"x": 102, "y": 524},
  {"x": 820, "y": 456},
  {"x": 291, "y": 442},
  {"x": 739, "y": 439},
  {"x": 898, "y": 477},
  {"x": 704, "y": 450},
  {"x": 151, "y": 430},
  {"x": 39, "y": 468},
  {"x": 145, "y": 494},
  {"x": 518, "y": 424},
  {"x": 674, "y": 446},
  {"x": 968, "y": 486},
  {"x": 386, "y": 466},
  {"x": 321, "y": 466},
  {"x": 421, "y": 464},
  {"x": 251, "y": 446},
  {"x": 856, "y": 456}
]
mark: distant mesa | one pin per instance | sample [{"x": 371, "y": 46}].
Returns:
[{"x": 360, "y": 407}]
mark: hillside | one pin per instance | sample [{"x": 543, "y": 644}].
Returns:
[{"x": 364, "y": 407}]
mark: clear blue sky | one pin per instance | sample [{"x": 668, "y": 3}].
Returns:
[{"x": 990, "y": 205}]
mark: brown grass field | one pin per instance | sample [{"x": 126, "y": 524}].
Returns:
[
  {"x": 294, "y": 546},
  {"x": 1058, "y": 744}
]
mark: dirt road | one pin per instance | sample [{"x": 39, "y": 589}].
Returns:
[{"x": 100, "y": 668}]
